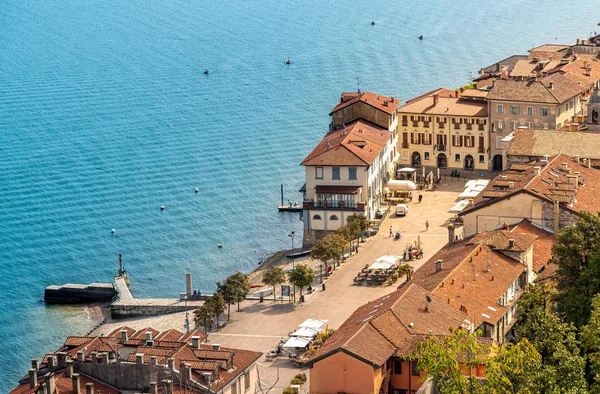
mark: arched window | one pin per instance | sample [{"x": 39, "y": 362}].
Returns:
[
  {"x": 317, "y": 217},
  {"x": 333, "y": 217}
]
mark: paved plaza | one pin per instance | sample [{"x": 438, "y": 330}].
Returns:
[{"x": 259, "y": 326}]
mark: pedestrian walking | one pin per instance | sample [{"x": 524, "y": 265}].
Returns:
[
  {"x": 420, "y": 198},
  {"x": 426, "y": 225},
  {"x": 410, "y": 196},
  {"x": 391, "y": 232}
]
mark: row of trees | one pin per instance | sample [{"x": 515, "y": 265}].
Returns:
[
  {"x": 232, "y": 290},
  {"x": 301, "y": 276},
  {"x": 333, "y": 245}
]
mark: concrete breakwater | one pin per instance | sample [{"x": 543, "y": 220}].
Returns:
[{"x": 79, "y": 294}]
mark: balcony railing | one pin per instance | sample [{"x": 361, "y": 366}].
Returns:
[
  {"x": 334, "y": 204},
  {"x": 480, "y": 150}
]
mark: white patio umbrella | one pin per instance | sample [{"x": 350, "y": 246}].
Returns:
[
  {"x": 385, "y": 262},
  {"x": 315, "y": 324},
  {"x": 305, "y": 332},
  {"x": 296, "y": 342}
]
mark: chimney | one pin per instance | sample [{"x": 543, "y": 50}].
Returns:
[
  {"x": 589, "y": 163},
  {"x": 207, "y": 377},
  {"x": 577, "y": 158},
  {"x": 75, "y": 382},
  {"x": 439, "y": 265},
  {"x": 153, "y": 360},
  {"x": 451, "y": 233},
  {"x": 538, "y": 170},
  {"x": 511, "y": 243},
  {"x": 170, "y": 364},
  {"x": 50, "y": 384},
  {"x": 80, "y": 356},
  {"x": 551, "y": 85},
  {"x": 188, "y": 372},
  {"x": 511, "y": 184},
  {"x": 216, "y": 346},
  {"x": 153, "y": 388},
  {"x": 492, "y": 278},
  {"x": 32, "y": 378},
  {"x": 393, "y": 99},
  {"x": 89, "y": 388},
  {"x": 573, "y": 180},
  {"x": 51, "y": 362},
  {"x": 167, "y": 386},
  {"x": 556, "y": 218},
  {"x": 435, "y": 99},
  {"x": 196, "y": 342},
  {"x": 124, "y": 336},
  {"x": 139, "y": 358},
  {"x": 148, "y": 336},
  {"x": 564, "y": 166},
  {"x": 35, "y": 364},
  {"x": 69, "y": 371}
]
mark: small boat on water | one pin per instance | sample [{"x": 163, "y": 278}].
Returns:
[
  {"x": 420, "y": 37},
  {"x": 373, "y": 23},
  {"x": 289, "y": 62},
  {"x": 207, "y": 71}
]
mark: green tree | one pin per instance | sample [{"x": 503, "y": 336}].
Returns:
[
  {"x": 242, "y": 285},
  {"x": 446, "y": 359},
  {"x": 331, "y": 247},
  {"x": 514, "y": 369},
  {"x": 228, "y": 291},
  {"x": 301, "y": 276},
  {"x": 274, "y": 276},
  {"x": 555, "y": 340},
  {"x": 590, "y": 344},
  {"x": 356, "y": 224},
  {"x": 203, "y": 317},
  {"x": 217, "y": 305},
  {"x": 577, "y": 253}
]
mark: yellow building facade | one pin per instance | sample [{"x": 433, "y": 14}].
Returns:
[{"x": 440, "y": 130}]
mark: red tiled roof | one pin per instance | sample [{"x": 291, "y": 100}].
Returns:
[
  {"x": 542, "y": 247},
  {"x": 391, "y": 325},
  {"x": 357, "y": 144},
  {"x": 382, "y": 103},
  {"x": 169, "y": 335},
  {"x": 536, "y": 91},
  {"x": 64, "y": 385},
  {"x": 446, "y": 105}
]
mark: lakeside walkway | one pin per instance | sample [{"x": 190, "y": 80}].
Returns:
[{"x": 258, "y": 326}]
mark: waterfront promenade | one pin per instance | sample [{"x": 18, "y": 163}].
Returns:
[{"x": 258, "y": 326}]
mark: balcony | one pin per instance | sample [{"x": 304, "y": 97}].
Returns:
[
  {"x": 336, "y": 205},
  {"x": 480, "y": 150},
  {"x": 441, "y": 148}
]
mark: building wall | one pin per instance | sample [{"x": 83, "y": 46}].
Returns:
[
  {"x": 240, "y": 387},
  {"x": 504, "y": 122},
  {"x": 360, "y": 110},
  {"x": 311, "y": 181},
  {"x": 428, "y": 147},
  {"x": 406, "y": 380},
  {"x": 512, "y": 210},
  {"x": 342, "y": 373}
]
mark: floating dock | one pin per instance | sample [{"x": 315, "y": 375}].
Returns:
[
  {"x": 287, "y": 208},
  {"x": 79, "y": 294}
]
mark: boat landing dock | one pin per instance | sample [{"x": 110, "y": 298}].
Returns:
[{"x": 287, "y": 208}]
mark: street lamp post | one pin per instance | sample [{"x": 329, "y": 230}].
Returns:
[{"x": 291, "y": 235}]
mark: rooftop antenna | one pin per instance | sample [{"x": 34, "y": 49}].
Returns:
[{"x": 358, "y": 83}]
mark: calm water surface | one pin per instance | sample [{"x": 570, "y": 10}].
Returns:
[{"x": 105, "y": 115}]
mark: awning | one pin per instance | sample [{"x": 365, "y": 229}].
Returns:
[
  {"x": 469, "y": 193},
  {"x": 305, "y": 332},
  {"x": 462, "y": 204},
  {"x": 401, "y": 185},
  {"x": 406, "y": 169},
  {"x": 315, "y": 324},
  {"x": 476, "y": 182},
  {"x": 296, "y": 342},
  {"x": 385, "y": 262},
  {"x": 337, "y": 189}
]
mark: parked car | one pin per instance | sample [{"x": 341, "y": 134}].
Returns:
[{"x": 401, "y": 209}]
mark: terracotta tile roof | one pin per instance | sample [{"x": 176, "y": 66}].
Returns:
[
  {"x": 201, "y": 365},
  {"x": 391, "y": 325},
  {"x": 194, "y": 333},
  {"x": 450, "y": 106},
  {"x": 357, "y": 144},
  {"x": 537, "y": 143},
  {"x": 474, "y": 276},
  {"x": 476, "y": 93},
  {"x": 536, "y": 91},
  {"x": 64, "y": 385},
  {"x": 583, "y": 71},
  {"x": 206, "y": 352},
  {"x": 551, "y": 184},
  {"x": 528, "y": 68},
  {"x": 542, "y": 247},
  {"x": 141, "y": 334},
  {"x": 500, "y": 240},
  {"x": 73, "y": 341},
  {"x": 382, "y": 103},
  {"x": 169, "y": 335},
  {"x": 507, "y": 64},
  {"x": 117, "y": 332}
]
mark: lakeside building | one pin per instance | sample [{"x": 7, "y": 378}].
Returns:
[
  {"x": 545, "y": 103},
  {"x": 472, "y": 284},
  {"x": 547, "y": 192},
  {"x": 346, "y": 171},
  {"x": 130, "y": 361},
  {"x": 445, "y": 129}
]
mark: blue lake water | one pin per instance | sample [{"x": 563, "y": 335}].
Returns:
[{"x": 105, "y": 115}]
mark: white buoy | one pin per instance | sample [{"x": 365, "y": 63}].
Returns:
[
  {"x": 197, "y": 190},
  {"x": 220, "y": 245},
  {"x": 162, "y": 207},
  {"x": 113, "y": 231}
]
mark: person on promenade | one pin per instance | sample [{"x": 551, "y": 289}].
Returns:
[
  {"x": 410, "y": 196},
  {"x": 420, "y": 198},
  {"x": 426, "y": 225},
  {"x": 391, "y": 232}
]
